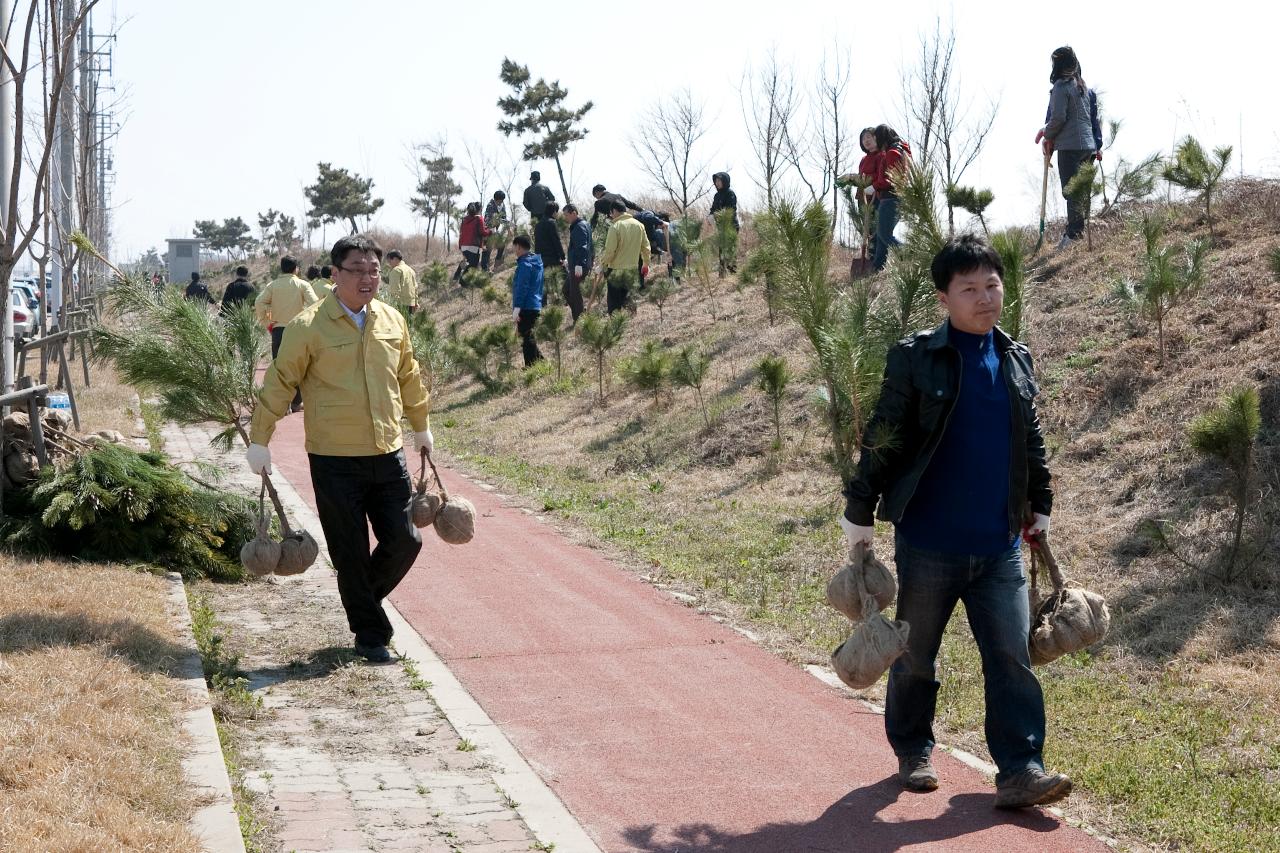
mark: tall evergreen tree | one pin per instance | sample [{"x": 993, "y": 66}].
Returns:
[
  {"x": 339, "y": 195},
  {"x": 537, "y": 108}
]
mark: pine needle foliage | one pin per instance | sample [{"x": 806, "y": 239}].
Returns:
[
  {"x": 971, "y": 200},
  {"x": 600, "y": 335},
  {"x": 1196, "y": 170},
  {"x": 658, "y": 291},
  {"x": 1130, "y": 182},
  {"x": 689, "y": 370},
  {"x": 431, "y": 350},
  {"x": 1014, "y": 249},
  {"x": 1228, "y": 433},
  {"x": 1273, "y": 262},
  {"x": 773, "y": 377},
  {"x": 726, "y": 240},
  {"x": 200, "y": 365},
  {"x": 649, "y": 370},
  {"x": 1170, "y": 274},
  {"x": 551, "y": 329},
  {"x": 503, "y": 339},
  {"x": 113, "y": 503},
  {"x": 1080, "y": 190}
]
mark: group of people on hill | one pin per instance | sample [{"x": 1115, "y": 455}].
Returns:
[{"x": 953, "y": 454}]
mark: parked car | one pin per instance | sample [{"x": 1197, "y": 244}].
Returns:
[
  {"x": 33, "y": 301},
  {"x": 22, "y": 316}
]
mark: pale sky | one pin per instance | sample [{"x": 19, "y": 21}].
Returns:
[{"x": 228, "y": 106}]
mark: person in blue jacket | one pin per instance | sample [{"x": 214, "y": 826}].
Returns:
[
  {"x": 1072, "y": 128},
  {"x": 581, "y": 256},
  {"x": 526, "y": 296}
]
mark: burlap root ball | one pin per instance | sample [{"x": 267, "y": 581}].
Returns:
[
  {"x": 298, "y": 551},
  {"x": 844, "y": 592},
  {"x": 17, "y": 427},
  {"x": 260, "y": 555},
  {"x": 1067, "y": 622},
  {"x": 456, "y": 521},
  {"x": 111, "y": 435},
  {"x": 425, "y": 507},
  {"x": 870, "y": 650},
  {"x": 57, "y": 419},
  {"x": 21, "y": 466}
]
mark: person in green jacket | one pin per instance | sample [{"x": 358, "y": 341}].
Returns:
[
  {"x": 626, "y": 253},
  {"x": 402, "y": 283}
]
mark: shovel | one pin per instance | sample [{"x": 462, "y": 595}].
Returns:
[
  {"x": 861, "y": 266},
  {"x": 1044, "y": 199}
]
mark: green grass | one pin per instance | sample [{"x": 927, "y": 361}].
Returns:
[{"x": 1176, "y": 764}]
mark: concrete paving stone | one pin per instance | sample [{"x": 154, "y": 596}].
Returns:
[{"x": 507, "y": 830}]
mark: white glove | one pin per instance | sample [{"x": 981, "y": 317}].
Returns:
[
  {"x": 856, "y": 534},
  {"x": 515, "y": 314},
  {"x": 259, "y": 456},
  {"x": 1038, "y": 525},
  {"x": 425, "y": 440},
  {"x": 577, "y": 272}
]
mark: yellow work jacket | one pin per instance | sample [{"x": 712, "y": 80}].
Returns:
[
  {"x": 322, "y": 286},
  {"x": 402, "y": 285},
  {"x": 282, "y": 299},
  {"x": 355, "y": 385},
  {"x": 626, "y": 246}
]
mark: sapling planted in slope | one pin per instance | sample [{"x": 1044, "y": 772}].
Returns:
[
  {"x": 600, "y": 335},
  {"x": 772, "y": 378},
  {"x": 649, "y": 369},
  {"x": 1194, "y": 169},
  {"x": 551, "y": 329},
  {"x": 689, "y": 370}
]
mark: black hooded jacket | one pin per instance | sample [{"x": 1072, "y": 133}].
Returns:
[
  {"x": 605, "y": 201},
  {"x": 725, "y": 198}
]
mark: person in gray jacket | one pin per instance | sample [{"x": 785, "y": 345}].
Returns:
[{"x": 1069, "y": 130}]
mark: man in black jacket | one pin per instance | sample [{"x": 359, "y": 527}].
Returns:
[
  {"x": 954, "y": 456},
  {"x": 536, "y": 197},
  {"x": 604, "y": 199},
  {"x": 237, "y": 291},
  {"x": 197, "y": 291}
]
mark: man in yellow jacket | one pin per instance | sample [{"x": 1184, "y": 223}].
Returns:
[
  {"x": 351, "y": 356},
  {"x": 402, "y": 283},
  {"x": 625, "y": 256},
  {"x": 281, "y": 301},
  {"x": 324, "y": 283}
]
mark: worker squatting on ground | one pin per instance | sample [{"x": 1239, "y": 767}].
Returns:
[
  {"x": 402, "y": 283},
  {"x": 280, "y": 301},
  {"x": 351, "y": 356},
  {"x": 953, "y": 455}
]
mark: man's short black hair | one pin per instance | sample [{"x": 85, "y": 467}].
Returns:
[
  {"x": 961, "y": 255},
  {"x": 500, "y": 195},
  {"x": 551, "y": 209},
  {"x": 395, "y": 253},
  {"x": 326, "y": 271},
  {"x": 288, "y": 264},
  {"x": 354, "y": 243},
  {"x": 242, "y": 272},
  {"x": 313, "y": 272},
  {"x": 617, "y": 206},
  {"x": 598, "y": 188},
  {"x": 570, "y": 208},
  {"x": 664, "y": 216},
  {"x": 535, "y": 176},
  {"x": 523, "y": 241},
  {"x": 195, "y": 276}
]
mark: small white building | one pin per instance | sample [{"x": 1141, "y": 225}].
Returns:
[{"x": 183, "y": 258}]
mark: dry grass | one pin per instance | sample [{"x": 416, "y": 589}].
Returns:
[{"x": 90, "y": 754}]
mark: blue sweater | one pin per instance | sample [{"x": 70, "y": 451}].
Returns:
[
  {"x": 961, "y": 505},
  {"x": 526, "y": 287}
]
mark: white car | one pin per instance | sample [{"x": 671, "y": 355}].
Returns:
[
  {"x": 22, "y": 315},
  {"x": 33, "y": 302}
]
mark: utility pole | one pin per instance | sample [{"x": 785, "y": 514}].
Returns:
[
  {"x": 64, "y": 179},
  {"x": 6, "y": 169}
]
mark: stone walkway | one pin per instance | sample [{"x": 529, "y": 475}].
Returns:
[{"x": 342, "y": 756}]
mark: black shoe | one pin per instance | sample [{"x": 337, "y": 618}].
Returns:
[
  {"x": 916, "y": 773},
  {"x": 373, "y": 654},
  {"x": 1032, "y": 787}
]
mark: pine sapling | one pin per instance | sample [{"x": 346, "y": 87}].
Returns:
[
  {"x": 1273, "y": 261},
  {"x": 773, "y": 378},
  {"x": 649, "y": 369},
  {"x": 971, "y": 200},
  {"x": 551, "y": 329},
  {"x": 1194, "y": 169},
  {"x": 689, "y": 370},
  {"x": 1014, "y": 251},
  {"x": 1170, "y": 274},
  {"x": 1080, "y": 191},
  {"x": 600, "y": 335},
  {"x": 1228, "y": 433},
  {"x": 658, "y": 291}
]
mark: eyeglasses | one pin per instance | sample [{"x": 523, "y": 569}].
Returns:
[{"x": 363, "y": 273}]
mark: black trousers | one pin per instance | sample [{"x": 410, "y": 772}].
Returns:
[
  {"x": 528, "y": 343},
  {"x": 615, "y": 294},
  {"x": 487, "y": 253},
  {"x": 277, "y": 335},
  {"x": 573, "y": 291},
  {"x": 352, "y": 494}
]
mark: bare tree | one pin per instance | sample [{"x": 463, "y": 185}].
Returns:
[
  {"x": 664, "y": 141},
  {"x": 52, "y": 37},
  {"x": 480, "y": 166},
  {"x": 769, "y": 107},
  {"x": 833, "y": 138},
  {"x": 945, "y": 126}
]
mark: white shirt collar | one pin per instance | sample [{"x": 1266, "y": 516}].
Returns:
[{"x": 357, "y": 317}]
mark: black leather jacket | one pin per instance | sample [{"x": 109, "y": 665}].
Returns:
[{"x": 921, "y": 384}]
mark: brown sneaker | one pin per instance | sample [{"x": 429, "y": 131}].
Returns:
[
  {"x": 1032, "y": 787},
  {"x": 916, "y": 773}
]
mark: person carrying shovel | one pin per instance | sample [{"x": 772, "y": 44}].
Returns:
[
  {"x": 952, "y": 455},
  {"x": 350, "y": 353},
  {"x": 1071, "y": 128}
]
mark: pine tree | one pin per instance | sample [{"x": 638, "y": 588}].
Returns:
[
  {"x": 658, "y": 291},
  {"x": 1170, "y": 273},
  {"x": 600, "y": 335},
  {"x": 971, "y": 200},
  {"x": 772, "y": 378},
  {"x": 1080, "y": 190},
  {"x": 551, "y": 329},
  {"x": 436, "y": 193},
  {"x": 537, "y": 108},
  {"x": 689, "y": 370},
  {"x": 649, "y": 369},
  {"x": 1228, "y": 433},
  {"x": 340, "y": 195},
  {"x": 1193, "y": 169},
  {"x": 1014, "y": 251}
]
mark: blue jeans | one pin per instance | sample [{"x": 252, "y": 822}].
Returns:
[
  {"x": 994, "y": 592},
  {"x": 886, "y": 221}
]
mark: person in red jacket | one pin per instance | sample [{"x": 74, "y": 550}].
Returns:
[
  {"x": 892, "y": 153},
  {"x": 867, "y": 169},
  {"x": 471, "y": 236}
]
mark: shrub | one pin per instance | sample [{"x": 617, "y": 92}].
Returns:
[{"x": 649, "y": 369}]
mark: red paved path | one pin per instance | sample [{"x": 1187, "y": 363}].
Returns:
[{"x": 660, "y": 729}]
